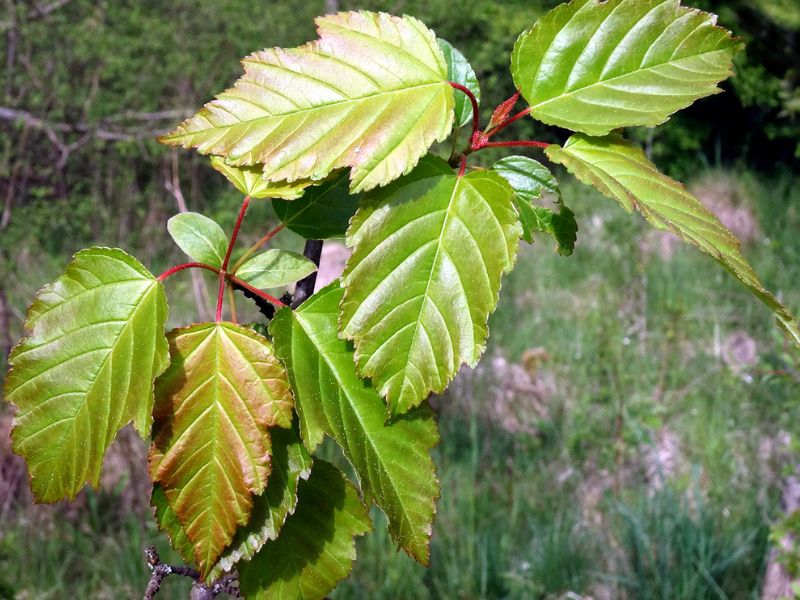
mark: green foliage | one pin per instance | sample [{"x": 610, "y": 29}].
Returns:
[
  {"x": 429, "y": 253},
  {"x": 593, "y": 67},
  {"x": 85, "y": 369},
  {"x": 431, "y": 241}
]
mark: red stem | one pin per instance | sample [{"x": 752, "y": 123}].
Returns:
[
  {"x": 255, "y": 290},
  {"x": 474, "y": 101},
  {"x": 463, "y": 168},
  {"x": 252, "y": 249},
  {"x": 515, "y": 143},
  {"x": 191, "y": 265},
  {"x": 508, "y": 122},
  {"x": 223, "y": 270}
]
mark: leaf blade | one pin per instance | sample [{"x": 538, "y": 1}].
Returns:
[
  {"x": 323, "y": 212},
  {"x": 275, "y": 268},
  {"x": 429, "y": 252},
  {"x": 620, "y": 170},
  {"x": 250, "y": 181},
  {"x": 393, "y": 464},
  {"x": 460, "y": 71},
  {"x": 327, "y": 95},
  {"x": 593, "y": 66},
  {"x": 316, "y": 548},
  {"x": 201, "y": 238},
  {"x": 86, "y": 334},
  {"x": 211, "y": 447}
]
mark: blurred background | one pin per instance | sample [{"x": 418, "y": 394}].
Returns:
[{"x": 632, "y": 430}]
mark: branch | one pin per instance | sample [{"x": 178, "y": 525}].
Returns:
[
  {"x": 305, "y": 287},
  {"x": 227, "y": 584}
]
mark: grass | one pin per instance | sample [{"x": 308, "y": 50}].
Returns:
[{"x": 652, "y": 472}]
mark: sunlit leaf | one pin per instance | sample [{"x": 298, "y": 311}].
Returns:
[
  {"x": 316, "y": 548},
  {"x": 392, "y": 459},
  {"x": 94, "y": 344},
  {"x": 530, "y": 179},
  {"x": 460, "y": 71},
  {"x": 429, "y": 252},
  {"x": 620, "y": 170},
  {"x": 323, "y": 212},
  {"x": 275, "y": 268},
  {"x": 594, "y": 66},
  {"x": 370, "y": 94},
  {"x": 211, "y": 446},
  {"x": 250, "y": 181},
  {"x": 199, "y": 237}
]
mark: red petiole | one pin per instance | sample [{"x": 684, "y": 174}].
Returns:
[{"x": 223, "y": 270}]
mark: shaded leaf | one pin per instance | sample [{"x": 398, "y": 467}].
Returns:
[
  {"x": 250, "y": 181},
  {"x": 460, "y": 71},
  {"x": 201, "y": 238},
  {"x": 290, "y": 463},
  {"x": 316, "y": 548},
  {"x": 392, "y": 460},
  {"x": 275, "y": 268},
  {"x": 94, "y": 345},
  {"x": 429, "y": 252},
  {"x": 530, "y": 179},
  {"x": 594, "y": 66},
  {"x": 620, "y": 170},
  {"x": 370, "y": 94},
  {"x": 211, "y": 446},
  {"x": 323, "y": 212}
]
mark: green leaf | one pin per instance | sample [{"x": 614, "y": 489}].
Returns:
[
  {"x": 275, "y": 268},
  {"x": 323, "y": 212},
  {"x": 530, "y": 180},
  {"x": 250, "y": 181},
  {"x": 168, "y": 522},
  {"x": 370, "y": 94},
  {"x": 392, "y": 460},
  {"x": 316, "y": 548},
  {"x": 211, "y": 445},
  {"x": 201, "y": 238},
  {"x": 429, "y": 252},
  {"x": 460, "y": 71},
  {"x": 94, "y": 345},
  {"x": 290, "y": 463},
  {"x": 620, "y": 170},
  {"x": 594, "y": 66}
]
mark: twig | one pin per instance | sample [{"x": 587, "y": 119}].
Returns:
[
  {"x": 227, "y": 584},
  {"x": 305, "y": 287}
]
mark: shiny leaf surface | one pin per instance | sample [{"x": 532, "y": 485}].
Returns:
[
  {"x": 429, "y": 252},
  {"x": 201, "y": 238},
  {"x": 323, "y": 212},
  {"x": 460, "y": 71},
  {"x": 211, "y": 445},
  {"x": 392, "y": 460},
  {"x": 275, "y": 268},
  {"x": 593, "y": 66},
  {"x": 370, "y": 94},
  {"x": 316, "y": 548},
  {"x": 620, "y": 170},
  {"x": 94, "y": 344},
  {"x": 530, "y": 179}
]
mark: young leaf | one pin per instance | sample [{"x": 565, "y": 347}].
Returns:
[
  {"x": 530, "y": 179},
  {"x": 316, "y": 548},
  {"x": 392, "y": 460},
  {"x": 275, "y": 268},
  {"x": 199, "y": 237},
  {"x": 94, "y": 345},
  {"x": 594, "y": 66},
  {"x": 502, "y": 111},
  {"x": 371, "y": 94},
  {"x": 323, "y": 212},
  {"x": 250, "y": 181},
  {"x": 211, "y": 446},
  {"x": 429, "y": 253},
  {"x": 460, "y": 71},
  {"x": 290, "y": 463},
  {"x": 620, "y": 170}
]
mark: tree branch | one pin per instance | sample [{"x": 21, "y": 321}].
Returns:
[
  {"x": 227, "y": 584},
  {"x": 305, "y": 287}
]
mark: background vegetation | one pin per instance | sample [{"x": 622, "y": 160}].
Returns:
[{"x": 632, "y": 426}]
